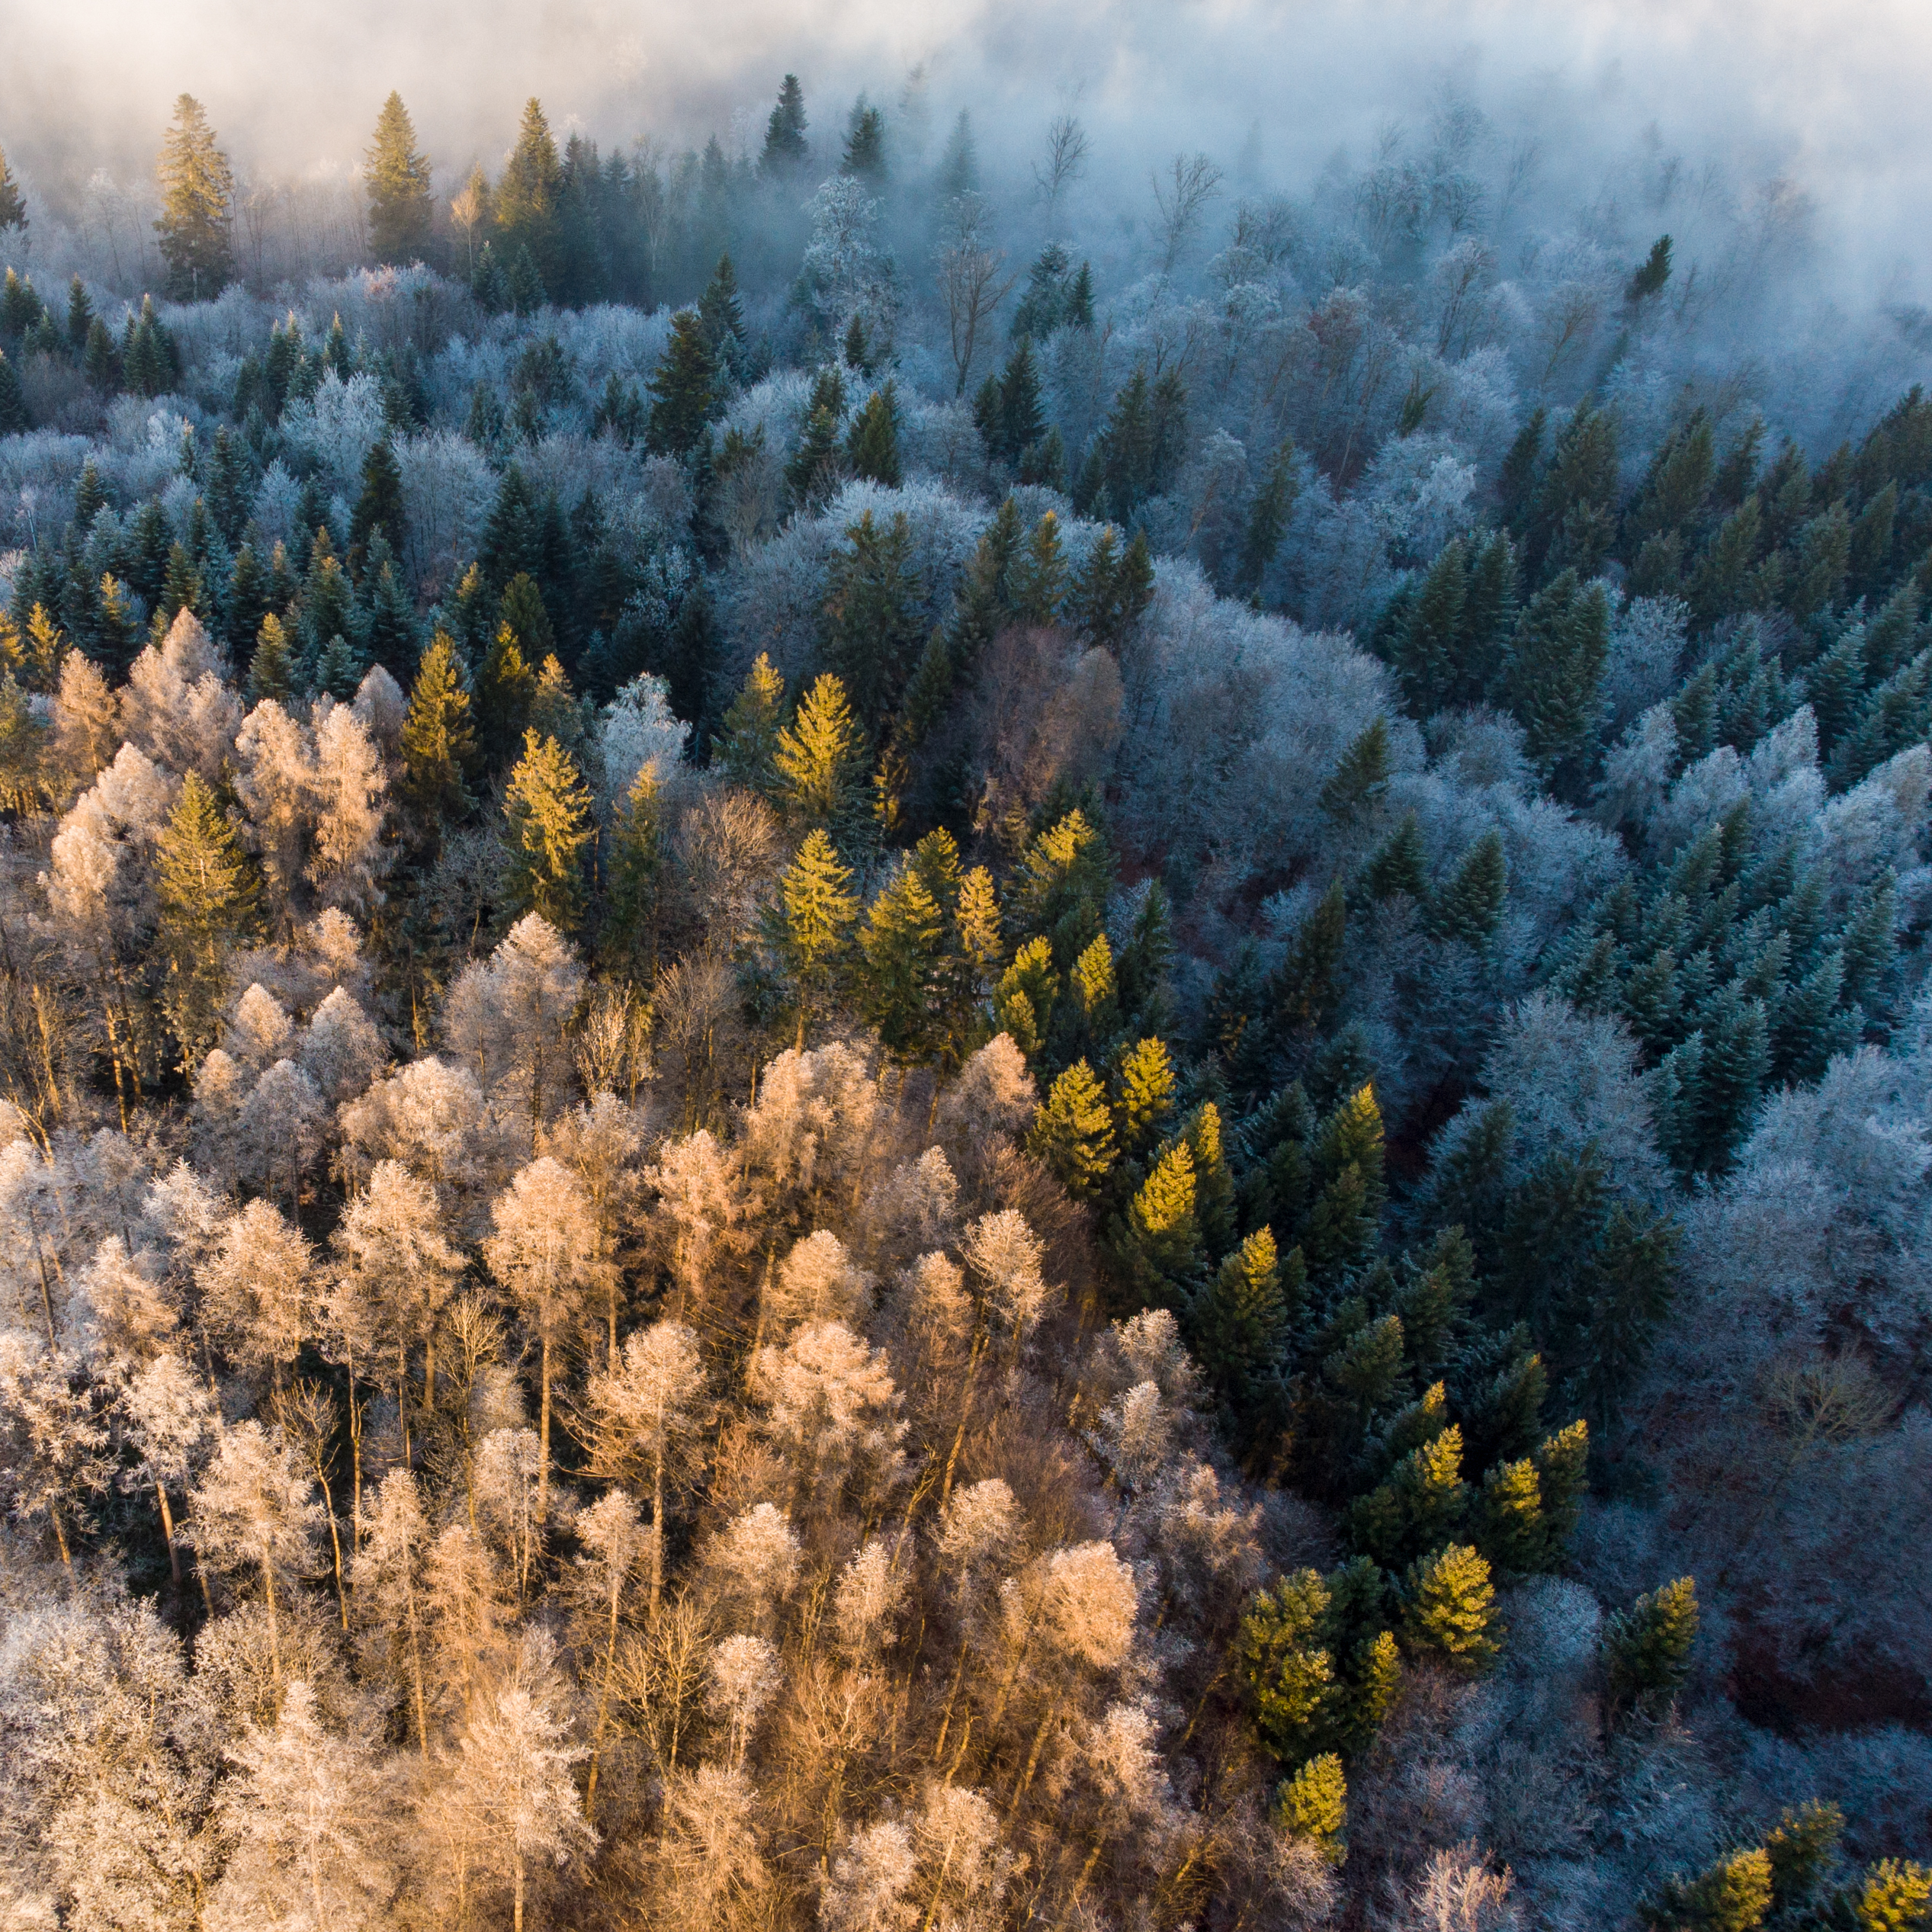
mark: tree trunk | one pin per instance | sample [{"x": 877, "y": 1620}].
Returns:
[
  {"x": 543, "y": 1468},
  {"x": 657, "y": 1530},
  {"x": 168, "y": 1534}
]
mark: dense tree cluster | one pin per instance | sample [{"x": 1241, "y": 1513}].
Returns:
[{"x": 952, "y": 1094}]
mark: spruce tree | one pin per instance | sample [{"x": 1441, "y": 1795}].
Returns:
[
  {"x": 746, "y": 749},
  {"x": 80, "y": 310},
  {"x": 1073, "y": 1132},
  {"x": 902, "y": 948},
  {"x": 1470, "y": 906},
  {"x": 271, "y": 668},
  {"x": 633, "y": 873},
  {"x": 13, "y": 204},
  {"x": 197, "y": 192},
  {"x": 397, "y": 176},
  {"x": 1401, "y": 864},
  {"x": 820, "y": 756},
  {"x": 1268, "y": 519},
  {"x": 684, "y": 387},
  {"x": 506, "y": 685},
  {"x": 548, "y": 810},
  {"x": 207, "y": 890},
  {"x": 439, "y": 746},
  {"x": 1313, "y": 1806},
  {"x": 1239, "y": 1328},
  {"x": 1362, "y": 776},
  {"x": 1449, "y": 1609},
  {"x": 872, "y": 625},
  {"x": 1647, "y": 1648},
  {"x": 865, "y": 149},
  {"x": 525, "y": 199},
  {"x": 723, "y": 316},
  {"x": 817, "y": 466},
  {"x": 13, "y": 402},
  {"x": 1733, "y": 1895},
  {"x": 785, "y": 148},
  {"x": 1163, "y": 1245},
  {"x": 100, "y": 361},
  {"x": 817, "y": 909},
  {"x": 1286, "y": 1665},
  {"x": 1802, "y": 1848},
  {"x": 1023, "y": 1002},
  {"x": 872, "y": 443},
  {"x": 1038, "y": 576},
  {"x": 1145, "y": 1086},
  {"x": 1550, "y": 677},
  {"x": 379, "y": 509}
]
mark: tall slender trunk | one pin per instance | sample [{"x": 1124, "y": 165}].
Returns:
[
  {"x": 543, "y": 1469},
  {"x": 416, "y": 1658},
  {"x": 657, "y": 1530},
  {"x": 603, "y": 1703},
  {"x": 335, "y": 1542},
  {"x": 168, "y": 1534}
]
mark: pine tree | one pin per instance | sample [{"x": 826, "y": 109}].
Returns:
[
  {"x": 684, "y": 387},
  {"x": 1450, "y": 1608},
  {"x": 1647, "y": 1648},
  {"x": 271, "y": 669},
  {"x": 785, "y": 149},
  {"x": 1509, "y": 1528},
  {"x": 1073, "y": 1132},
  {"x": 439, "y": 746},
  {"x": 547, "y": 807},
  {"x": 197, "y": 191},
  {"x": 1802, "y": 1848},
  {"x": 820, "y": 756},
  {"x": 1163, "y": 1247},
  {"x": 397, "y": 175},
  {"x": 817, "y": 911},
  {"x": 1362, "y": 776},
  {"x": 1023, "y": 1002},
  {"x": 1401, "y": 864},
  {"x": 525, "y": 199},
  {"x": 1313, "y": 1805},
  {"x": 872, "y": 442},
  {"x": 207, "y": 892},
  {"x": 1286, "y": 1666},
  {"x": 13, "y": 204},
  {"x": 100, "y": 361},
  {"x": 1307, "y": 984}
]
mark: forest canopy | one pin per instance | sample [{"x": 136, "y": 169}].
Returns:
[{"x": 871, "y": 1059}]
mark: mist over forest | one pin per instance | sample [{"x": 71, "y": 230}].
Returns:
[{"x": 965, "y": 973}]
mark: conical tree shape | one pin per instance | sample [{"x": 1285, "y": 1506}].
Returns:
[
  {"x": 1647, "y": 1648},
  {"x": 1313, "y": 1805},
  {"x": 872, "y": 632},
  {"x": 872, "y": 445},
  {"x": 746, "y": 748},
  {"x": 785, "y": 147},
  {"x": 817, "y": 910},
  {"x": 13, "y": 204},
  {"x": 397, "y": 176},
  {"x": 1074, "y": 1133},
  {"x": 379, "y": 509},
  {"x": 1450, "y": 1611},
  {"x": 547, "y": 808},
  {"x": 1145, "y": 1084},
  {"x": 684, "y": 387},
  {"x": 525, "y": 200},
  {"x": 506, "y": 685},
  {"x": 902, "y": 945},
  {"x": 1470, "y": 906},
  {"x": 207, "y": 891},
  {"x": 197, "y": 192},
  {"x": 820, "y": 758},
  {"x": 271, "y": 669},
  {"x": 634, "y": 871},
  {"x": 1038, "y": 580},
  {"x": 439, "y": 746}
]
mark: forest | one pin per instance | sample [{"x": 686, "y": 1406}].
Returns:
[{"x": 878, "y": 1057}]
